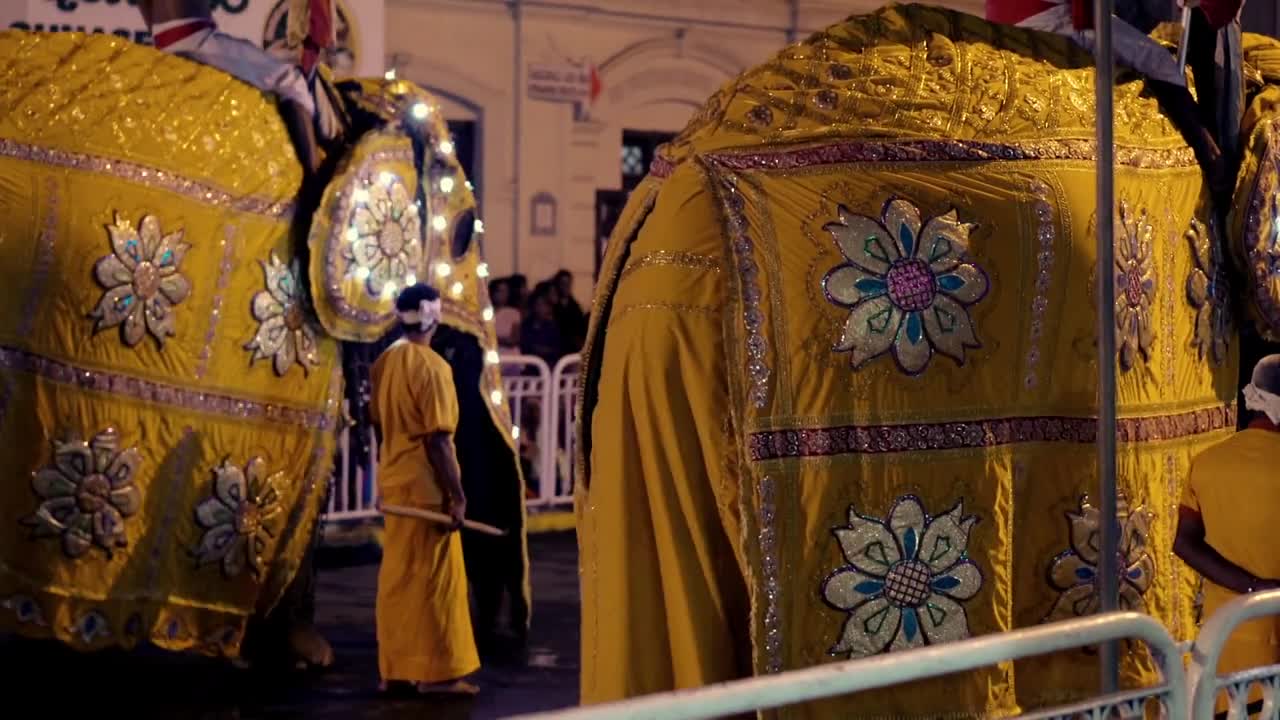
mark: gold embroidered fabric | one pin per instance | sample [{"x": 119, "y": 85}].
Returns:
[
  {"x": 168, "y": 403},
  {"x": 902, "y": 374}
]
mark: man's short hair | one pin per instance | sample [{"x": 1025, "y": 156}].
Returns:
[
  {"x": 1266, "y": 374},
  {"x": 413, "y": 296}
]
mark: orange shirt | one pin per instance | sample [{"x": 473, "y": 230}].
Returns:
[{"x": 413, "y": 398}]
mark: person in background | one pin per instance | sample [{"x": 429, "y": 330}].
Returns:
[
  {"x": 519, "y": 285},
  {"x": 540, "y": 336},
  {"x": 423, "y": 619},
  {"x": 1225, "y": 519},
  {"x": 506, "y": 317},
  {"x": 569, "y": 316}
]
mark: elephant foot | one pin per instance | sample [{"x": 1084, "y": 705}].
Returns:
[{"x": 310, "y": 649}]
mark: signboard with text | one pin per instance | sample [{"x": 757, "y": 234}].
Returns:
[
  {"x": 360, "y": 49},
  {"x": 562, "y": 83}
]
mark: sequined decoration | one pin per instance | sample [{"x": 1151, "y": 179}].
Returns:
[
  {"x": 770, "y": 567},
  {"x": 1045, "y": 237},
  {"x": 1135, "y": 286},
  {"x": 142, "y": 279},
  {"x": 228, "y": 245},
  {"x": 86, "y": 494},
  {"x": 905, "y": 580},
  {"x": 240, "y": 519},
  {"x": 1074, "y": 573},
  {"x": 284, "y": 335},
  {"x": 907, "y": 287},
  {"x": 1208, "y": 292},
  {"x": 147, "y": 391},
  {"x": 749, "y": 277},
  {"x": 666, "y": 258},
  {"x": 91, "y": 627},
  {"x": 25, "y": 610},
  {"x": 1262, "y": 237},
  {"x": 147, "y": 177},
  {"x": 384, "y": 234}
]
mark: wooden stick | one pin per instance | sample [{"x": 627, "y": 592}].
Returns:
[{"x": 442, "y": 519}]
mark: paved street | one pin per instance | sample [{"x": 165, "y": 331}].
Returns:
[{"x": 160, "y": 685}]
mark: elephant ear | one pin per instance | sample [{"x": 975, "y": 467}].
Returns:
[
  {"x": 367, "y": 238},
  {"x": 1255, "y": 216}
]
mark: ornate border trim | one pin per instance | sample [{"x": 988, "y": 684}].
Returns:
[
  {"x": 1264, "y": 188},
  {"x": 931, "y": 151},
  {"x": 1047, "y": 237},
  {"x": 758, "y": 366},
  {"x": 136, "y": 388},
  {"x": 916, "y": 437},
  {"x": 148, "y": 176}
]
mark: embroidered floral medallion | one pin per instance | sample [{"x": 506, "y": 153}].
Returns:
[
  {"x": 908, "y": 286},
  {"x": 142, "y": 280},
  {"x": 86, "y": 494},
  {"x": 240, "y": 518},
  {"x": 1208, "y": 292},
  {"x": 906, "y": 580},
  {"x": 284, "y": 335},
  {"x": 385, "y": 234},
  {"x": 1074, "y": 574},
  {"x": 1135, "y": 286}
]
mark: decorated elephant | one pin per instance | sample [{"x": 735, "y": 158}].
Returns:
[
  {"x": 170, "y": 347},
  {"x": 840, "y": 392}
]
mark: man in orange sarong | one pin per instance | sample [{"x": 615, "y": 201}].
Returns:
[
  {"x": 424, "y": 622},
  {"x": 1225, "y": 520}
]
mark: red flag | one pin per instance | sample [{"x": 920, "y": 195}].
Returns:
[
  {"x": 1221, "y": 13},
  {"x": 596, "y": 85},
  {"x": 320, "y": 33},
  {"x": 1082, "y": 14},
  {"x": 1012, "y": 12}
]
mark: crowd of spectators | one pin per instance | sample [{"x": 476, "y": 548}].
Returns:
[{"x": 546, "y": 322}]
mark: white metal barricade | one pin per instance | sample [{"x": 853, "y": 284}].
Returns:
[
  {"x": 536, "y": 393},
  {"x": 1203, "y": 679},
  {"x": 825, "y": 681}
]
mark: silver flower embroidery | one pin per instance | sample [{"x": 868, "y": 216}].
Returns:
[
  {"x": 1135, "y": 286},
  {"x": 906, "y": 579},
  {"x": 908, "y": 285},
  {"x": 240, "y": 518},
  {"x": 284, "y": 335},
  {"x": 87, "y": 493},
  {"x": 142, "y": 280},
  {"x": 1209, "y": 294},
  {"x": 1074, "y": 573},
  {"x": 384, "y": 237}
]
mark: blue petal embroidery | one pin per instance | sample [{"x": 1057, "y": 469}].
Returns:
[
  {"x": 909, "y": 544},
  {"x": 871, "y": 286},
  {"x": 1084, "y": 573},
  {"x": 869, "y": 587},
  {"x": 915, "y": 328},
  {"x": 908, "y": 239},
  {"x": 950, "y": 282},
  {"x": 910, "y": 624},
  {"x": 946, "y": 583}
]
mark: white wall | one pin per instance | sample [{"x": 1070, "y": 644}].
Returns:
[{"x": 658, "y": 62}]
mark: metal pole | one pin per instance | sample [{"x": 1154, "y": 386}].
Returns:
[{"x": 1108, "y": 587}]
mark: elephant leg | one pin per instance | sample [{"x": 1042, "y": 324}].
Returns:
[{"x": 288, "y": 633}]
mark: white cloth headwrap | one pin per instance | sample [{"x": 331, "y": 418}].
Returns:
[
  {"x": 426, "y": 317},
  {"x": 1259, "y": 400}
]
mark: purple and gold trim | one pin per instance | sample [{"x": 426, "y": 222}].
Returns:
[
  {"x": 931, "y": 151},
  {"x": 135, "y": 388},
  {"x": 917, "y": 437},
  {"x": 149, "y": 176}
]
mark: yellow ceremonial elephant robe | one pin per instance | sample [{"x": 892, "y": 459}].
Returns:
[
  {"x": 168, "y": 413},
  {"x": 840, "y": 396}
]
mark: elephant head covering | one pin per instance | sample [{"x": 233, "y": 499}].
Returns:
[{"x": 1262, "y": 394}]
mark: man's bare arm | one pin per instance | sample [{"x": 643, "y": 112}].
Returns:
[
  {"x": 1190, "y": 545},
  {"x": 444, "y": 459}
]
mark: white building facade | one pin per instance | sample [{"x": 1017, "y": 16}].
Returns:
[{"x": 550, "y": 172}]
